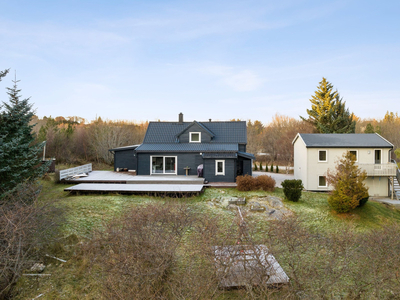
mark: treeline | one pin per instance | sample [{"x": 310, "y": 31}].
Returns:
[
  {"x": 74, "y": 141},
  {"x": 272, "y": 142}
]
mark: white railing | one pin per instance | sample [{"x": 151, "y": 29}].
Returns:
[
  {"x": 388, "y": 169},
  {"x": 77, "y": 170}
]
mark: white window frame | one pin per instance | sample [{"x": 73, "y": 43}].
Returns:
[
  {"x": 326, "y": 156},
  {"x": 223, "y": 168},
  {"x": 381, "y": 156},
  {"x": 356, "y": 151},
  {"x": 163, "y": 173},
  {"x": 326, "y": 183},
  {"x": 190, "y": 137}
]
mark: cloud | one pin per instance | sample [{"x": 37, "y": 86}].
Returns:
[{"x": 238, "y": 80}]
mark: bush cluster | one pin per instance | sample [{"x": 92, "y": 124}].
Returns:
[
  {"x": 292, "y": 189},
  {"x": 249, "y": 183},
  {"x": 349, "y": 190}
]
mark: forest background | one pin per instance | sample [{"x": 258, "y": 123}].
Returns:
[{"x": 74, "y": 140}]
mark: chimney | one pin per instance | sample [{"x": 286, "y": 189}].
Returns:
[
  {"x": 209, "y": 120},
  {"x": 181, "y": 118}
]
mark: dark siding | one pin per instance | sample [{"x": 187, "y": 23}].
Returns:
[
  {"x": 247, "y": 168},
  {"x": 125, "y": 159},
  {"x": 230, "y": 170},
  {"x": 191, "y": 160},
  {"x": 205, "y": 136},
  {"x": 242, "y": 147}
]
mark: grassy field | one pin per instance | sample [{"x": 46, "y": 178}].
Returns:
[{"x": 85, "y": 213}]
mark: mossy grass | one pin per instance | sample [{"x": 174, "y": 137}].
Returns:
[{"x": 86, "y": 213}]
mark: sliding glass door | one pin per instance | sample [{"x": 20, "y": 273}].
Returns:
[{"x": 163, "y": 164}]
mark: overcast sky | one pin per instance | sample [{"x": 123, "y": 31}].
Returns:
[{"x": 149, "y": 60}]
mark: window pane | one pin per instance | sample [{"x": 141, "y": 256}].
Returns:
[
  {"x": 322, "y": 181},
  {"x": 157, "y": 164},
  {"x": 220, "y": 167},
  {"x": 354, "y": 153},
  {"x": 195, "y": 137},
  {"x": 170, "y": 165},
  {"x": 322, "y": 155}
]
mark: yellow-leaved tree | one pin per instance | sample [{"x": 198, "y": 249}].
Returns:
[{"x": 349, "y": 190}]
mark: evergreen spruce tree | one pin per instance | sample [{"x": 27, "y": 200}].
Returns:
[
  {"x": 328, "y": 113},
  {"x": 19, "y": 157},
  {"x": 369, "y": 128}
]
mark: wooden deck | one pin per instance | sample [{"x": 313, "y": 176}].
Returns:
[
  {"x": 241, "y": 265},
  {"x": 128, "y": 178},
  {"x": 125, "y": 182},
  {"x": 150, "y": 189}
]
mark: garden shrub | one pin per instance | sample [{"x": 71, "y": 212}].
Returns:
[
  {"x": 363, "y": 201},
  {"x": 265, "y": 183},
  {"x": 349, "y": 190},
  {"x": 272, "y": 167},
  {"x": 245, "y": 183},
  {"x": 255, "y": 167},
  {"x": 277, "y": 169},
  {"x": 261, "y": 167},
  {"x": 292, "y": 189}
]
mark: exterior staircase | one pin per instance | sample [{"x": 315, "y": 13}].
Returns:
[{"x": 396, "y": 184}]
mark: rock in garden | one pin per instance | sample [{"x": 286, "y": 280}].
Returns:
[
  {"x": 257, "y": 208},
  {"x": 233, "y": 200},
  {"x": 231, "y": 207},
  {"x": 254, "y": 203},
  {"x": 241, "y": 201},
  {"x": 275, "y": 202}
]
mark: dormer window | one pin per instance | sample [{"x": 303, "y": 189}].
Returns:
[{"x": 195, "y": 137}]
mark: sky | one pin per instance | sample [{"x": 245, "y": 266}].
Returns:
[{"x": 151, "y": 60}]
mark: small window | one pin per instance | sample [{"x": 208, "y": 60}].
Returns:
[
  {"x": 321, "y": 181},
  {"x": 354, "y": 153},
  {"x": 219, "y": 167},
  {"x": 195, "y": 137},
  {"x": 322, "y": 155}
]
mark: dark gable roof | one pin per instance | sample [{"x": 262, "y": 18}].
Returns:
[
  {"x": 224, "y": 132},
  {"x": 132, "y": 147},
  {"x": 198, "y": 124},
  {"x": 191, "y": 147},
  {"x": 344, "y": 140}
]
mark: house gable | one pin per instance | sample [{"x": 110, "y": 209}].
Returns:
[
  {"x": 314, "y": 154},
  {"x": 185, "y": 136}
]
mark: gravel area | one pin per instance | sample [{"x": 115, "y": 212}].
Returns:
[{"x": 279, "y": 177}]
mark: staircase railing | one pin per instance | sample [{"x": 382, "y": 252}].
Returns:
[
  {"x": 398, "y": 179},
  {"x": 397, "y": 170}
]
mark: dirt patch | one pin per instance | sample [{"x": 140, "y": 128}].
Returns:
[{"x": 271, "y": 207}]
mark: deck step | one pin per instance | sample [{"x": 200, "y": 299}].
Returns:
[{"x": 164, "y": 181}]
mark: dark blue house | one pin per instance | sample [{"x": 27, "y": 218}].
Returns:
[{"x": 174, "y": 147}]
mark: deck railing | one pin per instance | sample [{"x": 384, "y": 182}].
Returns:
[
  {"x": 77, "y": 170},
  {"x": 388, "y": 169}
]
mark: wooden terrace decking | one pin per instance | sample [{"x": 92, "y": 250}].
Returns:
[
  {"x": 126, "y": 183},
  {"x": 127, "y": 178},
  {"x": 150, "y": 189}
]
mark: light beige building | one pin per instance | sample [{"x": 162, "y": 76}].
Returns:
[{"x": 314, "y": 154}]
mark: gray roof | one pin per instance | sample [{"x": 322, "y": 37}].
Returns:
[
  {"x": 194, "y": 147},
  {"x": 220, "y": 155},
  {"x": 225, "y": 132},
  {"x": 199, "y": 124},
  {"x": 125, "y": 148},
  {"x": 344, "y": 140},
  {"x": 246, "y": 155},
  {"x": 229, "y": 155}
]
